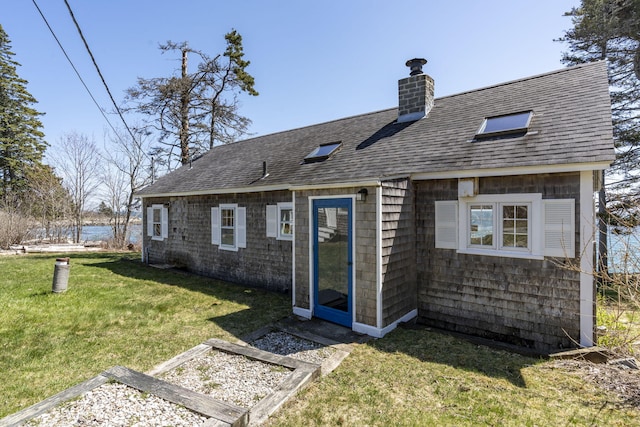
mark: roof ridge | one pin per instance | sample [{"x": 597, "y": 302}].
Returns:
[
  {"x": 524, "y": 79},
  {"x": 314, "y": 125}
]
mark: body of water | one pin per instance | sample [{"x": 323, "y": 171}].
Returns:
[
  {"x": 624, "y": 252},
  {"x": 94, "y": 233}
]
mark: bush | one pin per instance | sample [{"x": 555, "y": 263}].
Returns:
[{"x": 14, "y": 228}]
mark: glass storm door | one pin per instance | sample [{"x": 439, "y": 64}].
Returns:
[{"x": 332, "y": 260}]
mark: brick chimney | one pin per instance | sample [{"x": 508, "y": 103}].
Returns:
[{"x": 415, "y": 93}]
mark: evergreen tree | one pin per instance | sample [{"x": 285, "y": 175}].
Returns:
[
  {"x": 610, "y": 30},
  {"x": 21, "y": 141}
]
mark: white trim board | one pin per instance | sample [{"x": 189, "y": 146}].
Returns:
[
  {"x": 521, "y": 170},
  {"x": 381, "y": 332},
  {"x": 587, "y": 228}
]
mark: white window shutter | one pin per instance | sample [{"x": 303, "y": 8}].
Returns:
[
  {"x": 215, "y": 226},
  {"x": 241, "y": 228},
  {"x": 165, "y": 222},
  {"x": 272, "y": 221},
  {"x": 447, "y": 224},
  {"x": 559, "y": 228},
  {"x": 150, "y": 221}
]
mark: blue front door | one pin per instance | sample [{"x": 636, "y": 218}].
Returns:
[{"x": 332, "y": 260}]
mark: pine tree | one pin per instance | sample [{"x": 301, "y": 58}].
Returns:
[
  {"x": 610, "y": 30},
  {"x": 21, "y": 141}
]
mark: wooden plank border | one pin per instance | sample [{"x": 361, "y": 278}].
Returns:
[
  {"x": 220, "y": 413},
  {"x": 197, "y": 402},
  {"x": 53, "y": 401}
]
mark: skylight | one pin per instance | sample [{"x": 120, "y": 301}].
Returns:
[
  {"x": 503, "y": 126},
  {"x": 322, "y": 152}
]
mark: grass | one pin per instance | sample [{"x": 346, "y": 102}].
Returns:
[
  {"x": 422, "y": 378},
  {"x": 120, "y": 312},
  {"x": 116, "y": 311}
]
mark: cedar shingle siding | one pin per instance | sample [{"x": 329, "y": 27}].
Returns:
[
  {"x": 265, "y": 262},
  {"x": 398, "y": 250},
  {"x": 525, "y": 302}
]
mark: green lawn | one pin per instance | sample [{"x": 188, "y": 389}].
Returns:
[
  {"x": 423, "y": 378},
  {"x": 116, "y": 311}
]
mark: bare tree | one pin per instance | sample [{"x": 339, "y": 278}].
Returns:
[
  {"x": 126, "y": 171},
  {"x": 77, "y": 160},
  {"x": 14, "y": 224},
  {"x": 195, "y": 110}
]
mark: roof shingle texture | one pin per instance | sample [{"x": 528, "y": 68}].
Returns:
[{"x": 571, "y": 124}]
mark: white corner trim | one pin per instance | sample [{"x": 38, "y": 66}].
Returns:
[
  {"x": 302, "y": 312},
  {"x": 381, "y": 332},
  {"x": 587, "y": 224},
  {"x": 379, "y": 257},
  {"x": 293, "y": 252}
]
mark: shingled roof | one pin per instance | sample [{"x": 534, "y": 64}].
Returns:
[{"x": 571, "y": 126}]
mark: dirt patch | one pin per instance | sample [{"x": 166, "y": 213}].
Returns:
[{"x": 619, "y": 379}]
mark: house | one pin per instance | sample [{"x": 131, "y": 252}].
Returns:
[{"x": 462, "y": 212}]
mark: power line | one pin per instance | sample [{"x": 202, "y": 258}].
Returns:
[
  {"x": 72, "y": 65},
  {"x": 86, "y": 45}
]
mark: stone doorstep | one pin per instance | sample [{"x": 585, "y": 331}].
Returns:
[{"x": 221, "y": 413}]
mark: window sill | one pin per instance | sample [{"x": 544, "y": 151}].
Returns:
[
  {"x": 286, "y": 238},
  {"x": 157, "y": 238},
  {"x": 502, "y": 254},
  {"x": 228, "y": 248}
]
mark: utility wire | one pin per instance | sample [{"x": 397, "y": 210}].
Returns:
[
  {"x": 73, "y": 66},
  {"x": 86, "y": 45}
]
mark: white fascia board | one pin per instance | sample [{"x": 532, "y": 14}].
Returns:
[
  {"x": 281, "y": 187},
  {"x": 523, "y": 170},
  {"x": 373, "y": 182}
]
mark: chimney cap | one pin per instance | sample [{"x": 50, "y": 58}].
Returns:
[{"x": 415, "y": 65}]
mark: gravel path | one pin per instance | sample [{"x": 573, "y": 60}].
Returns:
[
  {"x": 116, "y": 405},
  {"x": 227, "y": 377},
  {"x": 288, "y": 345}
]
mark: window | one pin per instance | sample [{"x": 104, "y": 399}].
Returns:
[
  {"x": 322, "y": 152},
  {"x": 515, "y": 226},
  {"x": 481, "y": 225},
  {"x": 157, "y": 222},
  {"x": 228, "y": 227},
  {"x": 502, "y": 226},
  {"x": 509, "y": 225},
  {"x": 280, "y": 221},
  {"x": 510, "y": 125},
  {"x": 285, "y": 214}
]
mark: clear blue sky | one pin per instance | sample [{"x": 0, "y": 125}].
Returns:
[{"x": 312, "y": 61}]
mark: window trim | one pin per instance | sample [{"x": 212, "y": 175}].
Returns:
[
  {"x": 535, "y": 227},
  {"x": 281, "y": 207},
  {"x": 163, "y": 224},
  {"x": 240, "y": 226}
]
